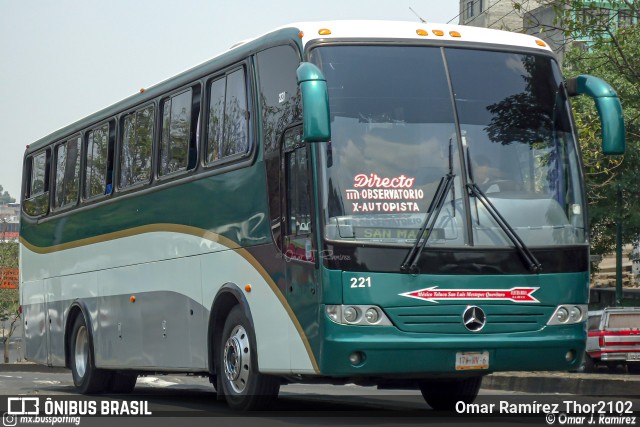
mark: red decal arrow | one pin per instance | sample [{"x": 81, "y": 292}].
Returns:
[{"x": 434, "y": 294}]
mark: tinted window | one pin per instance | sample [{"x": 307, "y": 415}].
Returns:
[
  {"x": 36, "y": 201},
  {"x": 235, "y": 115},
  {"x": 38, "y": 174},
  {"x": 176, "y": 133},
  {"x": 227, "y": 129},
  {"x": 216, "y": 119},
  {"x": 137, "y": 143},
  {"x": 67, "y": 173},
  {"x": 280, "y": 106},
  {"x": 96, "y": 180}
]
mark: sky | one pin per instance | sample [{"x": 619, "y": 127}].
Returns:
[{"x": 65, "y": 59}]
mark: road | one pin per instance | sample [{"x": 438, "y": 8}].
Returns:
[{"x": 175, "y": 397}]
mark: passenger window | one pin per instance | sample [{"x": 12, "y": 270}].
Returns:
[
  {"x": 36, "y": 201},
  {"x": 137, "y": 144},
  {"x": 228, "y": 125},
  {"x": 97, "y": 179},
  {"x": 176, "y": 133},
  {"x": 38, "y": 174},
  {"x": 67, "y": 182}
]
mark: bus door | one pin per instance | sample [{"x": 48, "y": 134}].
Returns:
[{"x": 300, "y": 252}]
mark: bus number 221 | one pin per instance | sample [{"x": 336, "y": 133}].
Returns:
[{"x": 361, "y": 282}]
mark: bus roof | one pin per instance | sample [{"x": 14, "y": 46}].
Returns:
[
  {"x": 413, "y": 30},
  {"x": 310, "y": 31}
]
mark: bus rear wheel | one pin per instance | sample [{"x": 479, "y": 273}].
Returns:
[
  {"x": 244, "y": 388},
  {"x": 443, "y": 395},
  {"x": 86, "y": 376}
]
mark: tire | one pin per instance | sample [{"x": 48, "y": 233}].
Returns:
[
  {"x": 633, "y": 368},
  {"x": 122, "y": 383},
  {"x": 443, "y": 395},
  {"x": 244, "y": 388},
  {"x": 86, "y": 377},
  {"x": 589, "y": 365}
]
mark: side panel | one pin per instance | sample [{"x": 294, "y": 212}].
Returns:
[
  {"x": 166, "y": 326},
  {"x": 152, "y": 315},
  {"x": 34, "y": 312}
]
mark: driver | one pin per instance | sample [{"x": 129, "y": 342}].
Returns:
[{"x": 485, "y": 175}]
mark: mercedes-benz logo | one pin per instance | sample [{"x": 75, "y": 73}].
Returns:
[{"x": 474, "y": 318}]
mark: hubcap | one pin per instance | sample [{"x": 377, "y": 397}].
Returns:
[
  {"x": 237, "y": 359},
  {"x": 82, "y": 351}
]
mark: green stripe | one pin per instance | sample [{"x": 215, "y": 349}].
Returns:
[{"x": 232, "y": 205}]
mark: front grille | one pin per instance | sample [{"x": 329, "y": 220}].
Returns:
[{"x": 447, "y": 319}]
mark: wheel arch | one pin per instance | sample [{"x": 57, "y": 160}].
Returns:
[
  {"x": 77, "y": 308},
  {"x": 226, "y": 298}
]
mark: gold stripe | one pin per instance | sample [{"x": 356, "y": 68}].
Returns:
[{"x": 193, "y": 231}]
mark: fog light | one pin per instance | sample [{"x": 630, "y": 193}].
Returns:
[
  {"x": 350, "y": 314},
  {"x": 562, "y": 315},
  {"x": 570, "y": 356},
  {"x": 575, "y": 314},
  {"x": 372, "y": 315},
  {"x": 356, "y": 358}
]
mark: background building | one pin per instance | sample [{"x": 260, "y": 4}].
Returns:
[{"x": 544, "y": 18}]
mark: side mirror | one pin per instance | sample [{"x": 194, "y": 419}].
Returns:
[
  {"x": 609, "y": 110},
  {"x": 315, "y": 103}
]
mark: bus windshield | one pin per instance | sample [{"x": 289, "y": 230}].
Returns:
[{"x": 394, "y": 136}]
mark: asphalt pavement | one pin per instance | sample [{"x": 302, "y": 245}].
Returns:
[{"x": 601, "y": 383}]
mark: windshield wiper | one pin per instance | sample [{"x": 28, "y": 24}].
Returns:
[
  {"x": 410, "y": 263},
  {"x": 528, "y": 258}
]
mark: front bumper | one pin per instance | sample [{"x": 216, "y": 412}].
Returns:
[{"x": 389, "y": 352}]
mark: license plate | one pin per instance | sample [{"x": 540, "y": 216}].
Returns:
[
  {"x": 472, "y": 360},
  {"x": 633, "y": 356}
]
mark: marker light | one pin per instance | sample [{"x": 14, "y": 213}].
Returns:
[
  {"x": 324, "y": 31},
  {"x": 132, "y": 298},
  {"x": 247, "y": 288},
  {"x": 141, "y": 90},
  {"x": 438, "y": 32},
  {"x": 422, "y": 32},
  {"x": 454, "y": 34},
  {"x": 300, "y": 34},
  {"x": 541, "y": 43}
]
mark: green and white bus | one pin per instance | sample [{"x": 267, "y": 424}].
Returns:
[{"x": 378, "y": 203}]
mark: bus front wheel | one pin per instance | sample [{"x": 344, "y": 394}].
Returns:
[
  {"x": 86, "y": 376},
  {"x": 243, "y": 386},
  {"x": 443, "y": 395}
]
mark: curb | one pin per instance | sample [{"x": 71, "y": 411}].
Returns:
[
  {"x": 31, "y": 367},
  {"x": 565, "y": 383}
]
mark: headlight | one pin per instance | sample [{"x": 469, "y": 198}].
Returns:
[
  {"x": 357, "y": 315},
  {"x": 568, "y": 314},
  {"x": 351, "y": 314}
]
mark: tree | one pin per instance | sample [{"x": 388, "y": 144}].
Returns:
[
  {"x": 9, "y": 298},
  {"x": 5, "y": 197},
  {"x": 612, "y": 52}
]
